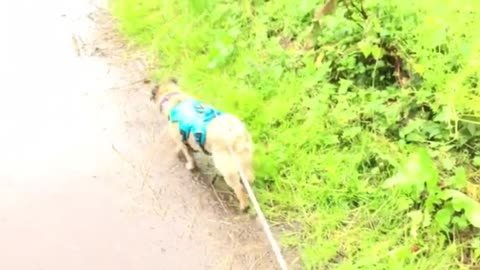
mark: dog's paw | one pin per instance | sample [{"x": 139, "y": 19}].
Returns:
[
  {"x": 190, "y": 166},
  {"x": 244, "y": 207}
]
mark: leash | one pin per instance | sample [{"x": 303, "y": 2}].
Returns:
[{"x": 266, "y": 227}]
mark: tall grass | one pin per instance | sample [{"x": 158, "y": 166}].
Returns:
[{"x": 341, "y": 110}]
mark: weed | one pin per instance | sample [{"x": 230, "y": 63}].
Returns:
[{"x": 362, "y": 96}]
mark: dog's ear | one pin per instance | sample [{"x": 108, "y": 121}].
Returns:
[{"x": 172, "y": 85}]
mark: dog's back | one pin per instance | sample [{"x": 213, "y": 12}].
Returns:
[{"x": 229, "y": 138}]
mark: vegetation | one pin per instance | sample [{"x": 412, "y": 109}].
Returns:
[{"x": 365, "y": 115}]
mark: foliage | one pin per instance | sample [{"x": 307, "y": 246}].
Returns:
[
  {"x": 449, "y": 206},
  {"x": 339, "y": 108}
]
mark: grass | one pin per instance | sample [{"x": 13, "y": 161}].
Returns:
[{"x": 365, "y": 121}]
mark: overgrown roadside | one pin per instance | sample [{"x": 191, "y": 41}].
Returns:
[
  {"x": 366, "y": 121},
  {"x": 366, "y": 118}
]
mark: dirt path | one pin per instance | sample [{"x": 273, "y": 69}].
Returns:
[{"x": 86, "y": 178}]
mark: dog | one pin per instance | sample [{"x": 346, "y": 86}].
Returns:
[{"x": 195, "y": 126}]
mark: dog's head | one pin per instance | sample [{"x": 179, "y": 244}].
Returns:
[{"x": 160, "y": 90}]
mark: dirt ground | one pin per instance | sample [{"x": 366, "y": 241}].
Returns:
[{"x": 87, "y": 180}]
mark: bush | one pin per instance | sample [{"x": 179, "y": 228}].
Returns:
[{"x": 366, "y": 120}]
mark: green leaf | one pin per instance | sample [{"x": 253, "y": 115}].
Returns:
[
  {"x": 458, "y": 181},
  {"x": 473, "y": 212},
  {"x": 377, "y": 52},
  {"x": 365, "y": 48},
  {"x": 415, "y": 137},
  {"x": 412, "y": 126},
  {"x": 450, "y": 193},
  {"x": 416, "y": 219},
  {"x": 460, "y": 221},
  {"x": 350, "y": 133},
  {"x": 476, "y": 253},
  {"x": 427, "y": 219},
  {"x": 400, "y": 179},
  {"x": 415, "y": 173},
  {"x": 428, "y": 172},
  {"x": 457, "y": 197},
  {"x": 434, "y": 130},
  {"x": 460, "y": 202},
  {"x": 416, "y": 216},
  {"x": 444, "y": 216},
  {"x": 330, "y": 139},
  {"x": 472, "y": 128},
  {"x": 404, "y": 203},
  {"x": 344, "y": 85},
  {"x": 448, "y": 164}
]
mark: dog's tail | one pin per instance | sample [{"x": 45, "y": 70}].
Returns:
[{"x": 241, "y": 147}]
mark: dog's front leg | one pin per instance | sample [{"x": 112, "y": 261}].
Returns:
[{"x": 190, "y": 164}]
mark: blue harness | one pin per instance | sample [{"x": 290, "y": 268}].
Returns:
[{"x": 193, "y": 117}]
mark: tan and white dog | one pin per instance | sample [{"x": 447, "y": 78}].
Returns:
[{"x": 226, "y": 138}]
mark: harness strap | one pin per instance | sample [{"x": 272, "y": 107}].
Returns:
[
  {"x": 198, "y": 116},
  {"x": 167, "y": 97},
  {"x": 197, "y": 139}
]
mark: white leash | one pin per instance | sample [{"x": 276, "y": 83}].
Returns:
[{"x": 263, "y": 220}]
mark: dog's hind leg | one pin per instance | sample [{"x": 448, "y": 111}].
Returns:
[{"x": 223, "y": 163}]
